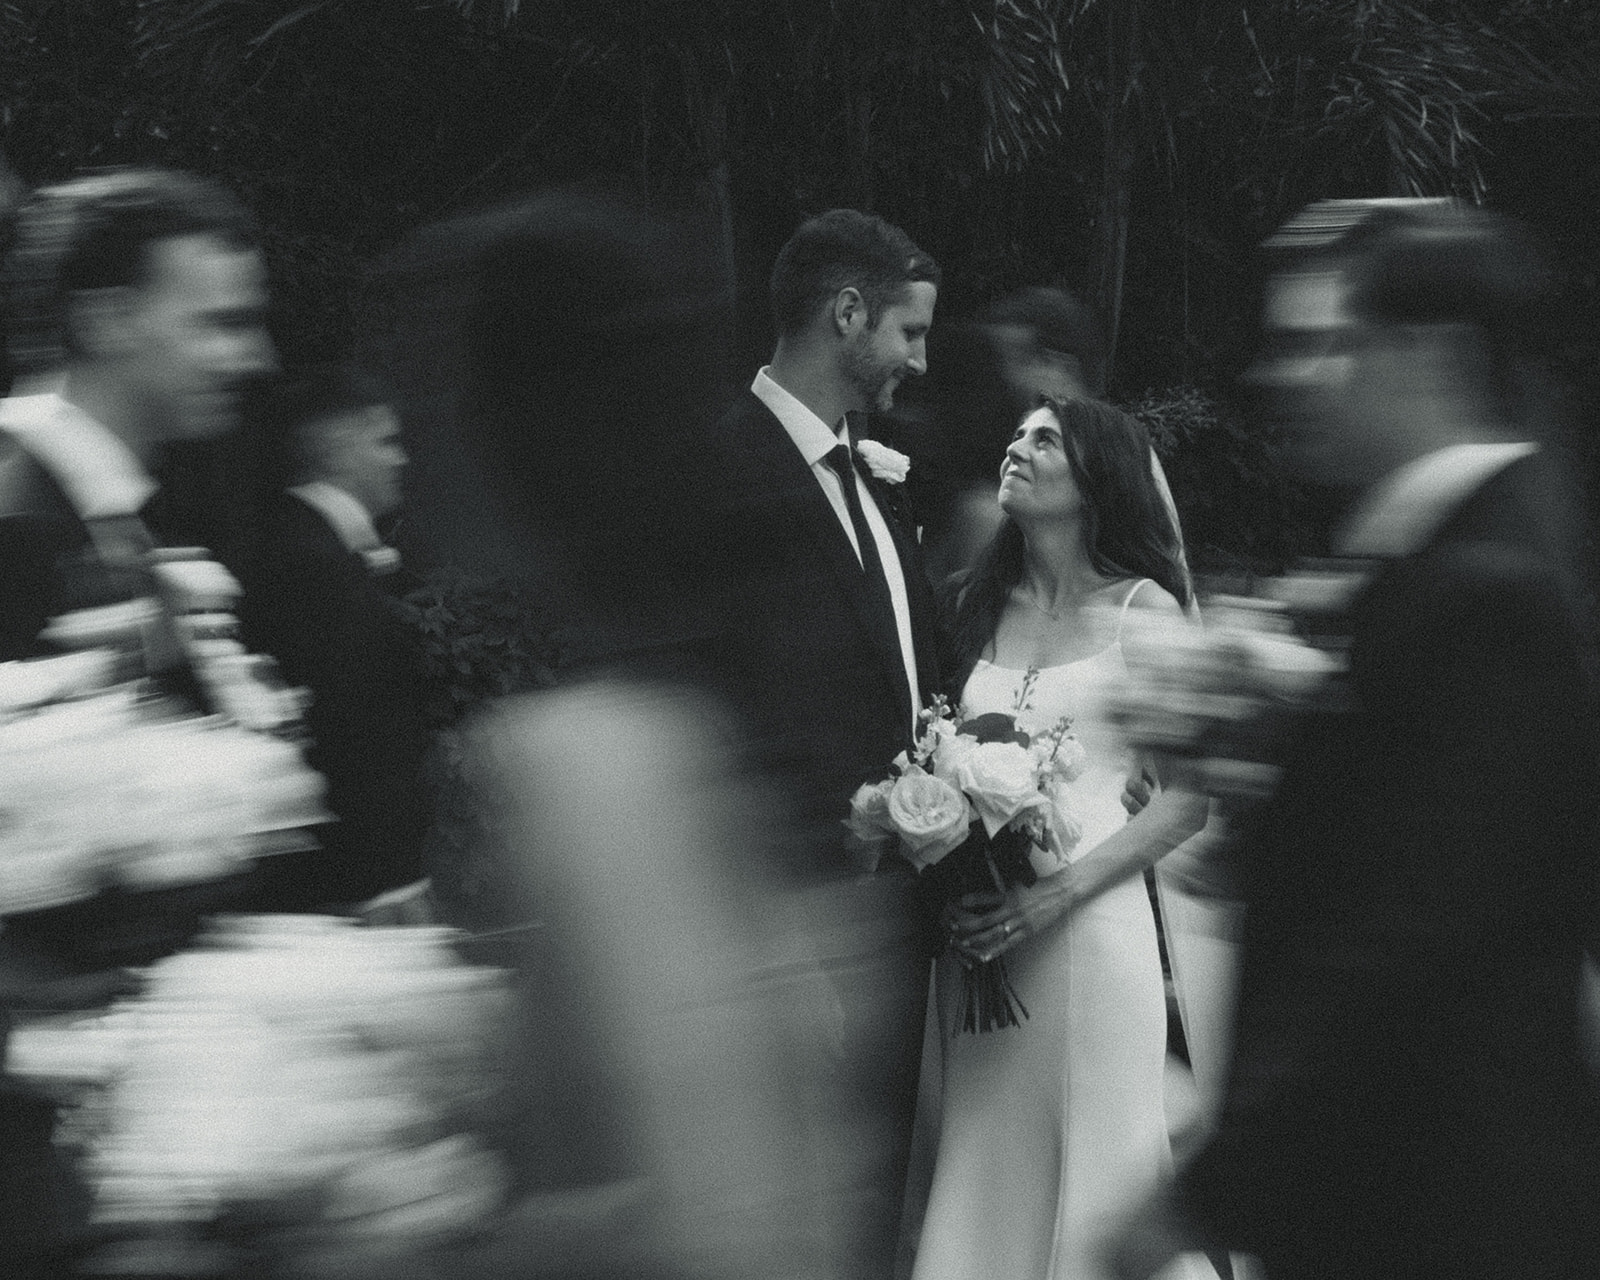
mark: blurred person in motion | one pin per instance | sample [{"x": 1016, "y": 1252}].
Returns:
[
  {"x": 136, "y": 317},
  {"x": 664, "y": 1112},
  {"x": 831, "y": 629},
  {"x": 138, "y": 303},
  {"x": 1407, "y": 1096},
  {"x": 321, "y": 591},
  {"x": 1033, "y": 341},
  {"x": 1052, "y": 1129}
]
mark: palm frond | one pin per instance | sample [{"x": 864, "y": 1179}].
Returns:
[{"x": 1022, "y": 87}]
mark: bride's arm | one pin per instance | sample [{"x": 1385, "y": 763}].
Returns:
[
  {"x": 1166, "y": 822},
  {"x": 1172, "y": 816}
]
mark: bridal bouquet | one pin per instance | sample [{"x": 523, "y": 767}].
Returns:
[
  {"x": 978, "y": 805},
  {"x": 1227, "y": 699}
]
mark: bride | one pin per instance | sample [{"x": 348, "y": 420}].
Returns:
[{"x": 1051, "y": 1129}]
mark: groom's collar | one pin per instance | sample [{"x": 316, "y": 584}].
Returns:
[
  {"x": 1401, "y": 512},
  {"x": 811, "y": 435}
]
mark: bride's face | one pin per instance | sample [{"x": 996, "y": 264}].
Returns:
[{"x": 1036, "y": 479}]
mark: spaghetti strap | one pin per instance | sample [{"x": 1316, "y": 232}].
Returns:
[{"x": 1126, "y": 601}]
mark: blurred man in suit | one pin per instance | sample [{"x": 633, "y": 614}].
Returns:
[
  {"x": 137, "y": 315},
  {"x": 1407, "y": 1096},
  {"x": 320, "y": 597}
]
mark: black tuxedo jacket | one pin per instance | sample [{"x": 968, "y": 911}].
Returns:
[
  {"x": 823, "y": 683},
  {"x": 1407, "y": 1096},
  {"x": 336, "y": 631}
]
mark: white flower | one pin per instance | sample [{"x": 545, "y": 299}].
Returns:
[
  {"x": 949, "y": 755},
  {"x": 931, "y": 816},
  {"x": 886, "y": 464},
  {"x": 869, "y": 818},
  {"x": 1065, "y": 761},
  {"x": 1000, "y": 780}
]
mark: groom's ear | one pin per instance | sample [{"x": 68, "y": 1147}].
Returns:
[{"x": 849, "y": 310}]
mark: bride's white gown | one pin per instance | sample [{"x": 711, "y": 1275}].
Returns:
[{"x": 1052, "y": 1131}]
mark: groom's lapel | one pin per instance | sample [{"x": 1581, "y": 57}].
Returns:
[{"x": 791, "y": 484}]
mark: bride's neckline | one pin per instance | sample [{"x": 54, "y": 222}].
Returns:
[{"x": 1054, "y": 666}]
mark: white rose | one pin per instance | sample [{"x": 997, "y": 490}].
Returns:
[
  {"x": 1069, "y": 760},
  {"x": 1000, "y": 780},
  {"x": 948, "y": 756},
  {"x": 869, "y": 820},
  {"x": 931, "y": 816},
  {"x": 885, "y": 463}
]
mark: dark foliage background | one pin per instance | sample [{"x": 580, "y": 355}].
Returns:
[{"x": 1133, "y": 151}]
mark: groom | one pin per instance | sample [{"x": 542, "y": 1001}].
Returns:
[
  {"x": 1407, "y": 1097},
  {"x": 832, "y": 625}
]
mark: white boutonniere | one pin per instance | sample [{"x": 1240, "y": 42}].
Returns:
[{"x": 886, "y": 464}]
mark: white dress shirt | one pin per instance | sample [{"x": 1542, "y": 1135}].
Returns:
[
  {"x": 816, "y": 439},
  {"x": 97, "y": 472},
  {"x": 1407, "y": 507},
  {"x": 351, "y": 521}
]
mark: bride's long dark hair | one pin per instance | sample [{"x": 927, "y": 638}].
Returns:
[{"x": 1128, "y": 528}]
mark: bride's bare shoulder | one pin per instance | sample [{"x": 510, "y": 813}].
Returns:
[{"x": 1150, "y": 599}]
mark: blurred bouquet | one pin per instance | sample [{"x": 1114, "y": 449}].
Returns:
[
  {"x": 108, "y": 783},
  {"x": 978, "y": 806},
  {"x": 104, "y": 790},
  {"x": 296, "y": 1090},
  {"x": 1229, "y": 698}
]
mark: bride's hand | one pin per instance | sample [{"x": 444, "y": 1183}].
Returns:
[{"x": 983, "y": 926}]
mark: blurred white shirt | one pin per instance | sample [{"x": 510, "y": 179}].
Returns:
[
  {"x": 351, "y": 521},
  {"x": 1402, "y": 511},
  {"x": 99, "y": 474}
]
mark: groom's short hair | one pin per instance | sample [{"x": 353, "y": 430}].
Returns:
[{"x": 841, "y": 249}]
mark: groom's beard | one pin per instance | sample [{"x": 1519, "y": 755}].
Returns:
[{"x": 873, "y": 383}]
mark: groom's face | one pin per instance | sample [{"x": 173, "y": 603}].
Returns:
[{"x": 879, "y": 357}]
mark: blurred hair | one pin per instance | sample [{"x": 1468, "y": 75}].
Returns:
[
  {"x": 840, "y": 249},
  {"x": 310, "y": 398},
  {"x": 595, "y": 343},
  {"x": 1127, "y": 526},
  {"x": 94, "y": 231},
  {"x": 1435, "y": 262},
  {"x": 1061, "y": 323}
]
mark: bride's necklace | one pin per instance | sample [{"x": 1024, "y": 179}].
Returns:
[{"x": 1055, "y": 615}]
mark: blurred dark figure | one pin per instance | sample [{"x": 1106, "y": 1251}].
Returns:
[
  {"x": 1407, "y": 1097},
  {"x": 136, "y": 309},
  {"x": 1033, "y": 342},
  {"x": 832, "y": 639},
  {"x": 321, "y": 593},
  {"x": 662, "y": 1114}
]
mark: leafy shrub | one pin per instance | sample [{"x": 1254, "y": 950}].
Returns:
[
  {"x": 482, "y": 638},
  {"x": 1241, "y": 513}
]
